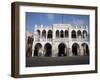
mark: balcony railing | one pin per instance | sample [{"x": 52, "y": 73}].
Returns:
[
  {"x": 62, "y": 39},
  {"x": 80, "y": 39}
]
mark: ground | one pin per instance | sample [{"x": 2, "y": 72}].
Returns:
[{"x": 56, "y": 61}]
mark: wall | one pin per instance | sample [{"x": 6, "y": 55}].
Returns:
[{"x": 5, "y": 40}]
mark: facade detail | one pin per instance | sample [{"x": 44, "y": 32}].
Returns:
[{"x": 60, "y": 40}]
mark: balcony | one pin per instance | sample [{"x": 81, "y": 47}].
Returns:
[
  {"x": 62, "y": 39},
  {"x": 80, "y": 39}
]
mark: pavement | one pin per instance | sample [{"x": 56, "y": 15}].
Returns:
[{"x": 56, "y": 61}]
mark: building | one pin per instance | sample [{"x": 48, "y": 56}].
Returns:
[
  {"x": 28, "y": 43},
  {"x": 60, "y": 40}
]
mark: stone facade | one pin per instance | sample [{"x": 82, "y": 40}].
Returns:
[{"x": 60, "y": 40}]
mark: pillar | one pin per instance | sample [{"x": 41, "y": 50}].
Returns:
[
  {"x": 70, "y": 34},
  {"x": 40, "y": 35},
  {"x": 33, "y": 50},
  {"x": 70, "y": 52},
  {"x": 46, "y": 35},
  {"x": 54, "y": 50}
]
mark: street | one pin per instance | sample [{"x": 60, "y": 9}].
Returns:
[{"x": 55, "y": 61}]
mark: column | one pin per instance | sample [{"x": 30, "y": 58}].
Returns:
[
  {"x": 64, "y": 34},
  {"x": 70, "y": 50},
  {"x": 69, "y": 34},
  {"x": 46, "y": 35},
  {"x": 40, "y": 35},
  {"x": 32, "y": 51},
  {"x": 67, "y": 51},
  {"x": 59, "y": 33}
]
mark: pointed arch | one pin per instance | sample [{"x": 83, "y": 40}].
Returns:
[
  {"x": 66, "y": 33},
  {"x": 61, "y": 34},
  {"x": 57, "y": 33},
  {"x": 75, "y": 49},
  {"x": 48, "y": 49},
  {"x": 49, "y": 34},
  {"x": 44, "y": 33},
  {"x": 73, "y": 34}
]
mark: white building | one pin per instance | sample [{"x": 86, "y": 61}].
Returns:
[{"x": 60, "y": 40}]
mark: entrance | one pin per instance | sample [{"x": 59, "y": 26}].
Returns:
[
  {"x": 48, "y": 50},
  {"x": 75, "y": 49},
  {"x": 38, "y": 46},
  {"x": 61, "y": 48}
]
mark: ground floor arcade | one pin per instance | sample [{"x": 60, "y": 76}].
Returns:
[{"x": 60, "y": 49}]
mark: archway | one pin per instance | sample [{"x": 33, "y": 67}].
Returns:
[
  {"x": 61, "y": 49},
  {"x": 75, "y": 49},
  {"x": 85, "y": 49},
  {"x": 48, "y": 50},
  {"x": 73, "y": 34},
  {"x": 38, "y": 46}
]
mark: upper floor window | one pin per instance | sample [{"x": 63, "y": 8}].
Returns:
[{"x": 73, "y": 34}]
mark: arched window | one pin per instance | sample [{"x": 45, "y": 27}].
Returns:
[
  {"x": 84, "y": 33},
  {"x": 66, "y": 33},
  {"x": 79, "y": 33},
  {"x": 57, "y": 34},
  {"x": 73, "y": 33},
  {"x": 49, "y": 34},
  {"x": 44, "y": 34},
  {"x": 38, "y": 31},
  {"x": 61, "y": 34}
]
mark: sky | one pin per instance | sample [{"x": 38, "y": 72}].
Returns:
[{"x": 51, "y": 18}]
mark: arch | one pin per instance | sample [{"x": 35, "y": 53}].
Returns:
[
  {"x": 57, "y": 33},
  {"x": 49, "y": 34},
  {"x": 62, "y": 34},
  {"x": 73, "y": 34},
  {"x": 79, "y": 33},
  {"x": 38, "y": 31},
  {"x": 75, "y": 49},
  {"x": 48, "y": 49},
  {"x": 44, "y": 33},
  {"x": 66, "y": 33},
  {"x": 61, "y": 49},
  {"x": 85, "y": 49},
  {"x": 37, "y": 49},
  {"x": 84, "y": 33}
]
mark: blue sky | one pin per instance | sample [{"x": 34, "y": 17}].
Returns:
[{"x": 51, "y": 18}]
